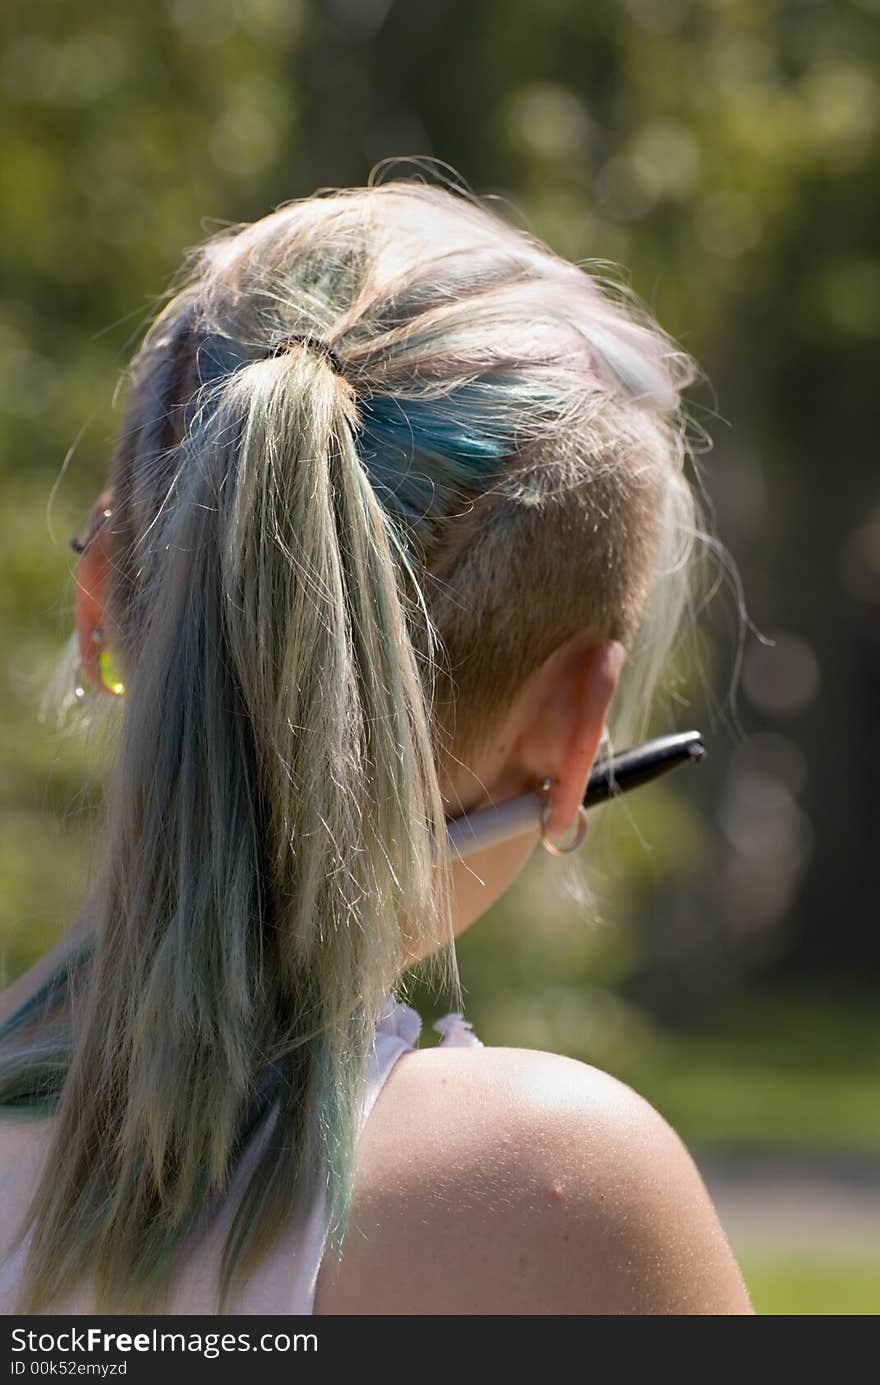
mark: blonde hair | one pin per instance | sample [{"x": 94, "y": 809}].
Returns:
[{"x": 323, "y": 587}]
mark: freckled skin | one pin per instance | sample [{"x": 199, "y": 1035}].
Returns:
[{"x": 531, "y": 1183}]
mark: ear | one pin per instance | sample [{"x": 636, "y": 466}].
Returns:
[
  {"x": 565, "y": 742},
  {"x": 91, "y": 586}
]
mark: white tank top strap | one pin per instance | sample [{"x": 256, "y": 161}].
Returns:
[{"x": 285, "y": 1282}]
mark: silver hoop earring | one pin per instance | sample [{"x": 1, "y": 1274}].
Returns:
[{"x": 546, "y": 842}]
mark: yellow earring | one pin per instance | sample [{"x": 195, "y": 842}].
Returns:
[
  {"x": 110, "y": 679},
  {"x": 109, "y": 675}
]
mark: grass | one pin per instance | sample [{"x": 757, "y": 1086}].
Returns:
[{"x": 803, "y": 1285}]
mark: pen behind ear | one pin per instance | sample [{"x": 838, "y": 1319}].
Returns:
[
  {"x": 640, "y": 765},
  {"x": 489, "y": 826}
]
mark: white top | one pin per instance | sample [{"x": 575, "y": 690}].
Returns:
[{"x": 285, "y": 1281}]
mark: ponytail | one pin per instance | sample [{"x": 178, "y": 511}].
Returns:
[{"x": 275, "y": 856}]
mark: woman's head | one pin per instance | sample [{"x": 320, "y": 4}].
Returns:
[
  {"x": 514, "y": 429},
  {"x": 326, "y": 591},
  {"x": 519, "y": 427}
]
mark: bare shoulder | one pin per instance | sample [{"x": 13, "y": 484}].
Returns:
[{"x": 505, "y": 1180}]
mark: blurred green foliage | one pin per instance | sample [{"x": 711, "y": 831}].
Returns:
[{"x": 779, "y": 1067}]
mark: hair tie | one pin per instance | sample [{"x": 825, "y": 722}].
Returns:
[{"x": 312, "y": 343}]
